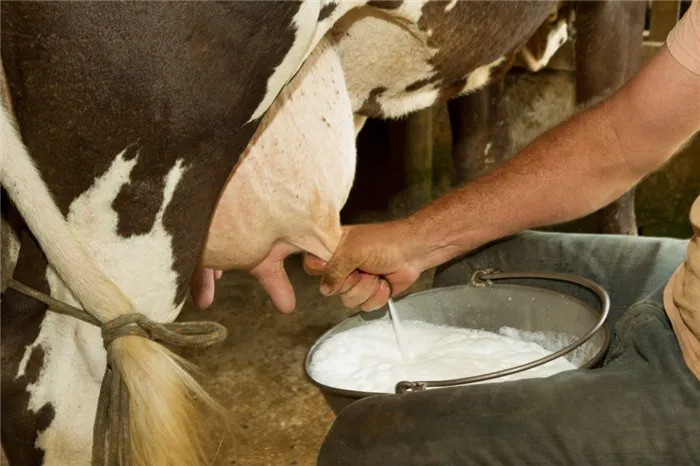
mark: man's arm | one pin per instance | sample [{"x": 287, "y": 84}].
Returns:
[
  {"x": 566, "y": 173},
  {"x": 570, "y": 171}
]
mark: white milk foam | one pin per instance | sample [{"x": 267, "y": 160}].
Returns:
[{"x": 367, "y": 358}]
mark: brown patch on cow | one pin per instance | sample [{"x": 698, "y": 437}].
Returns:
[
  {"x": 495, "y": 28},
  {"x": 370, "y": 107},
  {"x": 326, "y": 11},
  {"x": 188, "y": 240},
  {"x": 139, "y": 201},
  {"x": 421, "y": 83},
  {"x": 20, "y": 324},
  {"x": 385, "y": 4},
  {"x": 452, "y": 89},
  {"x": 176, "y": 88}
]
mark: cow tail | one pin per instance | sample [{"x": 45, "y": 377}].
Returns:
[{"x": 165, "y": 416}]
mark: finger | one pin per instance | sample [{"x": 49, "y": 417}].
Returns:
[
  {"x": 275, "y": 281},
  {"x": 314, "y": 265},
  {"x": 361, "y": 292},
  {"x": 202, "y": 288},
  {"x": 218, "y": 274},
  {"x": 350, "y": 282},
  {"x": 379, "y": 297},
  {"x": 401, "y": 281},
  {"x": 337, "y": 270}
]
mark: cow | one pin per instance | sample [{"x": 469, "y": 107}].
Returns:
[{"x": 144, "y": 140}]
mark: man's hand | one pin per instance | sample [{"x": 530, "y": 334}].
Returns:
[{"x": 371, "y": 264}]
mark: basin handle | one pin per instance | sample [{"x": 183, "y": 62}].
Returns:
[{"x": 484, "y": 278}]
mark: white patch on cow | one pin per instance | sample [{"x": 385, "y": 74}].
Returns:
[
  {"x": 324, "y": 26},
  {"x": 557, "y": 36},
  {"x": 412, "y": 10},
  {"x": 74, "y": 360},
  {"x": 398, "y": 58},
  {"x": 22, "y": 368},
  {"x": 450, "y": 5},
  {"x": 305, "y": 25},
  {"x": 480, "y": 76},
  {"x": 395, "y": 107}
]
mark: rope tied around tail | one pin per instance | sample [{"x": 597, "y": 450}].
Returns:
[{"x": 111, "y": 439}]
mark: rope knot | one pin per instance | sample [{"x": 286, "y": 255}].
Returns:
[
  {"x": 111, "y": 428},
  {"x": 192, "y": 334},
  {"x": 122, "y": 326}
]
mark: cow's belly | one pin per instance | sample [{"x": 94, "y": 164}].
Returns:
[{"x": 286, "y": 192}]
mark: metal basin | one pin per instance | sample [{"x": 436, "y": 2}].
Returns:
[{"x": 487, "y": 306}]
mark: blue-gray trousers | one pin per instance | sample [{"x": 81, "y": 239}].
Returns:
[{"x": 642, "y": 407}]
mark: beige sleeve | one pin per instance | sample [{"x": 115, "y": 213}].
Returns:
[{"x": 684, "y": 39}]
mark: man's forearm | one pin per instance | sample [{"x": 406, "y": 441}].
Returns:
[
  {"x": 571, "y": 170},
  {"x": 564, "y": 174}
]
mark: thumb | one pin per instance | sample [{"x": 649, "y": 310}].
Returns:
[
  {"x": 274, "y": 279},
  {"x": 338, "y": 268}
]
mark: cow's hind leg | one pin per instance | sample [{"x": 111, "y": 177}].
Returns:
[
  {"x": 608, "y": 52},
  {"x": 9, "y": 240},
  {"x": 21, "y": 361},
  {"x": 479, "y": 140}
]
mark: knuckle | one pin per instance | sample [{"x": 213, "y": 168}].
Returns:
[
  {"x": 348, "y": 301},
  {"x": 338, "y": 270},
  {"x": 350, "y": 282}
]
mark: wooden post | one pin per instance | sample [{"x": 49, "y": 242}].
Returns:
[
  {"x": 411, "y": 146},
  {"x": 664, "y": 16}
]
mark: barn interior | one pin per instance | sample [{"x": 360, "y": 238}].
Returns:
[{"x": 274, "y": 415}]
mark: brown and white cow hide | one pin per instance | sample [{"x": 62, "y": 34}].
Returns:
[{"x": 9, "y": 243}]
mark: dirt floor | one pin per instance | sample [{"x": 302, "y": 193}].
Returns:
[{"x": 276, "y": 416}]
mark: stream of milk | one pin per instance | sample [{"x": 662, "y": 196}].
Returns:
[
  {"x": 399, "y": 334},
  {"x": 368, "y": 358}
]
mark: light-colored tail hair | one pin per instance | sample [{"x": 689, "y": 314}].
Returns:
[{"x": 166, "y": 424}]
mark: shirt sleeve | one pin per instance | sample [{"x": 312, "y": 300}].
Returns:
[{"x": 684, "y": 39}]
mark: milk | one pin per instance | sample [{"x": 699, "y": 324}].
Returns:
[
  {"x": 399, "y": 333},
  {"x": 367, "y": 358}
]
